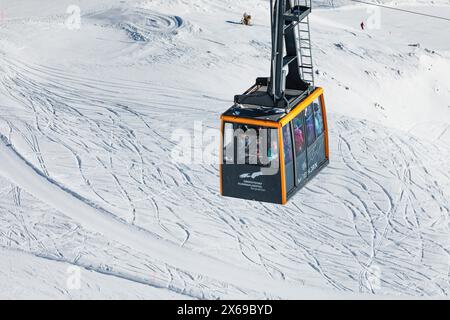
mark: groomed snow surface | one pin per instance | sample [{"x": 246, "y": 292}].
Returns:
[{"x": 92, "y": 204}]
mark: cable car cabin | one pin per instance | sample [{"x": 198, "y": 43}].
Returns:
[
  {"x": 275, "y": 137},
  {"x": 268, "y": 154}
]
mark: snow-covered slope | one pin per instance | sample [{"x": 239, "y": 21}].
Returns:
[
  {"x": 87, "y": 119},
  {"x": 26, "y": 276}
]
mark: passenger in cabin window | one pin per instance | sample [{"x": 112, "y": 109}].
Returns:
[
  {"x": 318, "y": 119},
  {"x": 298, "y": 136},
  {"x": 310, "y": 131}
]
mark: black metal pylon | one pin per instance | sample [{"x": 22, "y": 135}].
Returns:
[{"x": 291, "y": 66}]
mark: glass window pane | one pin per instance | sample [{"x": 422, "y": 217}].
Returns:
[
  {"x": 316, "y": 150},
  {"x": 287, "y": 143},
  {"x": 300, "y": 148},
  {"x": 299, "y": 134},
  {"x": 228, "y": 134},
  {"x": 310, "y": 130},
  {"x": 318, "y": 118},
  {"x": 288, "y": 157}
]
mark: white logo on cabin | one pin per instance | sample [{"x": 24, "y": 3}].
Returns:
[{"x": 251, "y": 175}]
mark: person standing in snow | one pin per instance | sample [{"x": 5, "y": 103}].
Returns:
[
  {"x": 362, "y": 25},
  {"x": 246, "y": 19}
]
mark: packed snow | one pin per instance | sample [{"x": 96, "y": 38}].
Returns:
[{"x": 93, "y": 204}]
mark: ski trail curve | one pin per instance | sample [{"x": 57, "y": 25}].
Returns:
[{"x": 15, "y": 168}]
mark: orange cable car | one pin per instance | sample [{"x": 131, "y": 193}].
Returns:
[{"x": 274, "y": 139}]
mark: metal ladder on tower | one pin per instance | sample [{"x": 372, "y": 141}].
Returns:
[
  {"x": 291, "y": 58},
  {"x": 304, "y": 46}
]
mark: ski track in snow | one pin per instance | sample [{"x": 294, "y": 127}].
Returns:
[
  {"x": 381, "y": 206},
  {"x": 384, "y": 206},
  {"x": 140, "y": 24}
]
